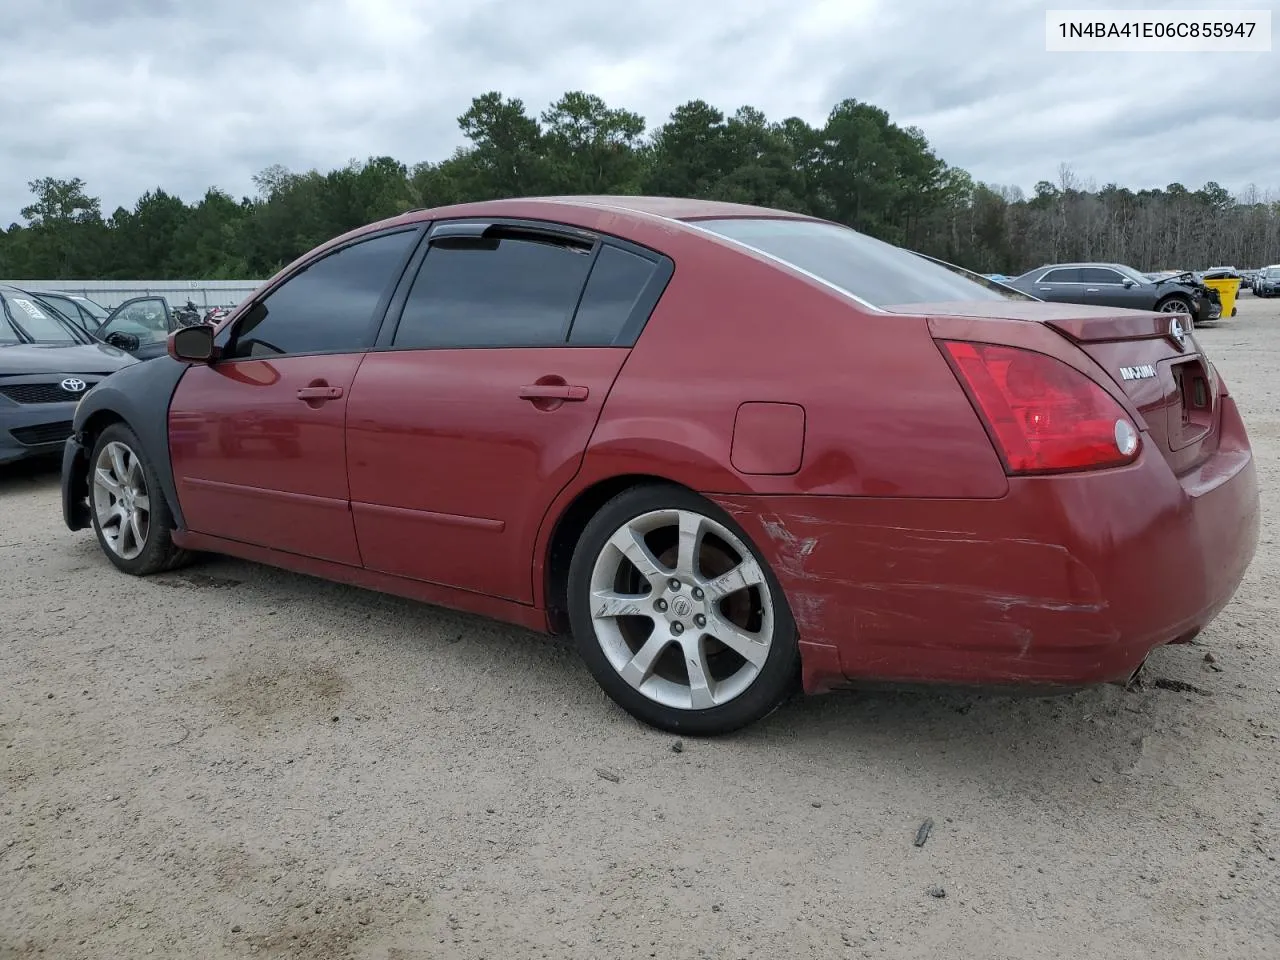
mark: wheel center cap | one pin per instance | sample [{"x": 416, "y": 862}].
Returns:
[{"x": 682, "y": 607}]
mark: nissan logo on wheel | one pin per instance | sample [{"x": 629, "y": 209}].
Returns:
[{"x": 73, "y": 385}]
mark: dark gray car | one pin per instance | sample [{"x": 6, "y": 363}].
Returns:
[
  {"x": 47, "y": 363},
  {"x": 1116, "y": 285}
]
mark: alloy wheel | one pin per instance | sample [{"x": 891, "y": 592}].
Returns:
[
  {"x": 681, "y": 609},
  {"x": 121, "y": 500}
]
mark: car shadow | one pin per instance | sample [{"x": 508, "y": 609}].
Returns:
[
  {"x": 26, "y": 475},
  {"x": 1024, "y": 742}
]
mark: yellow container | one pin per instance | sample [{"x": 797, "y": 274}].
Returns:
[{"x": 1227, "y": 290}]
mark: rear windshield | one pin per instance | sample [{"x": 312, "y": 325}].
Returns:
[
  {"x": 872, "y": 270},
  {"x": 23, "y": 320}
]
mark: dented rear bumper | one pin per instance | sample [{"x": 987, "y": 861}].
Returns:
[{"x": 1067, "y": 580}]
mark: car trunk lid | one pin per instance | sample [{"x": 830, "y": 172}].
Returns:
[{"x": 1167, "y": 378}]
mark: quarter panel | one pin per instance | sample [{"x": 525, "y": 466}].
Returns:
[{"x": 884, "y": 414}]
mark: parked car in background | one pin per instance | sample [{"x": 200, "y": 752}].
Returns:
[
  {"x": 1117, "y": 285},
  {"x": 47, "y": 364},
  {"x": 1267, "y": 282},
  {"x": 88, "y": 313},
  {"x": 726, "y": 447},
  {"x": 139, "y": 326}
]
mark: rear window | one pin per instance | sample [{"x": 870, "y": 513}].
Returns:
[{"x": 873, "y": 271}]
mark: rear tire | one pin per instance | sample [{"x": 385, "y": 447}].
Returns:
[
  {"x": 131, "y": 517},
  {"x": 677, "y": 615}
]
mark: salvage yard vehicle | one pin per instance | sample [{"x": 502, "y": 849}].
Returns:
[
  {"x": 1116, "y": 285},
  {"x": 726, "y": 447},
  {"x": 1267, "y": 282},
  {"x": 47, "y": 364},
  {"x": 89, "y": 314}
]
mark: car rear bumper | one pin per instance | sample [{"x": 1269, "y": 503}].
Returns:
[
  {"x": 1066, "y": 581},
  {"x": 32, "y": 430}
]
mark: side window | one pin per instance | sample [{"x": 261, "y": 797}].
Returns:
[
  {"x": 509, "y": 290},
  {"x": 328, "y": 307},
  {"x": 617, "y": 280},
  {"x": 1065, "y": 275},
  {"x": 1100, "y": 275},
  {"x": 146, "y": 318}
]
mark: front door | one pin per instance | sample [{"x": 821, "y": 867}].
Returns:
[
  {"x": 1062, "y": 285},
  {"x": 140, "y": 326},
  {"x": 462, "y": 432},
  {"x": 257, "y": 436},
  {"x": 1104, "y": 287}
]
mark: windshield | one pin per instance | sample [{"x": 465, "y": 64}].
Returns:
[
  {"x": 25, "y": 321},
  {"x": 91, "y": 307},
  {"x": 875, "y": 272},
  {"x": 1133, "y": 274}
]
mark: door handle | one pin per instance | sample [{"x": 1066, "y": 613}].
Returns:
[
  {"x": 319, "y": 393},
  {"x": 554, "y": 391},
  {"x": 1090, "y": 289}
]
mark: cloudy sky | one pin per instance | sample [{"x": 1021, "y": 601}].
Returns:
[{"x": 184, "y": 94}]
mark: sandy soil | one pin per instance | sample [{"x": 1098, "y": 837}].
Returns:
[{"x": 232, "y": 761}]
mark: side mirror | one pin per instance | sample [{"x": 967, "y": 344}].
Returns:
[
  {"x": 1129, "y": 283},
  {"x": 123, "y": 341},
  {"x": 192, "y": 344}
]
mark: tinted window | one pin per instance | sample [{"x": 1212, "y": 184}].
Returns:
[
  {"x": 872, "y": 270},
  {"x": 616, "y": 282},
  {"x": 1067, "y": 275},
  {"x": 495, "y": 291},
  {"x": 328, "y": 308},
  {"x": 1099, "y": 275}
]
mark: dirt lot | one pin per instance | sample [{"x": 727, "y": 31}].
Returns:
[{"x": 233, "y": 761}]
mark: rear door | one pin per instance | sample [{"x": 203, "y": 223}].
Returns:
[
  {"x": 256, "y": 437},
  {"x": 1060, "y": 285},
  {"x": 474, "y": 413}
]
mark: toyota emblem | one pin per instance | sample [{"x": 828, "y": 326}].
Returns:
[
  {"x": 73, "y": 385},
  {"x": 1175, "y": 330}
]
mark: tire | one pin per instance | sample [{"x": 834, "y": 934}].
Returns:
[
  {"x": 727, "y": 591},
  {"x": 120, "y": 475},
  {"x": 1175, "y": 304}
]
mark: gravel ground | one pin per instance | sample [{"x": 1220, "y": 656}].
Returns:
[{"x": 234, "y": 761}]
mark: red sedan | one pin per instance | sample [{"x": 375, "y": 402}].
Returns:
[{"x": 729, "y": 448}]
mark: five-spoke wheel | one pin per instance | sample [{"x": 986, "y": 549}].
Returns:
[
  {"x": 121, "y": 500},
  {"x": 677, "y": 616},
  {"x": 130, "y": 514}
]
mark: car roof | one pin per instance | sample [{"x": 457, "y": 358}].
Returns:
[
  {"x": 1088, "y": 263},
  {"x": 554, "y": 208}
]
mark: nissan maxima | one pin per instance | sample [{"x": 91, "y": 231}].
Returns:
[{"x": 729, "y": 449}]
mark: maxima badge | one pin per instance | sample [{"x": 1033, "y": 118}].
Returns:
[{"x": 1144, "y": 372}]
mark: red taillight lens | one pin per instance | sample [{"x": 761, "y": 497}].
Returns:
[{"x": 1044, "y": 416}]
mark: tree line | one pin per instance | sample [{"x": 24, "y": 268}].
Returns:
[{"x": 857, "y": 168}]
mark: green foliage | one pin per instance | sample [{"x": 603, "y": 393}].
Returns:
[{"x": 857, "y": 168}]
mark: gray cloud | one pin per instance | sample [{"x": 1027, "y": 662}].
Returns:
[{"x": 185, "y": 95}]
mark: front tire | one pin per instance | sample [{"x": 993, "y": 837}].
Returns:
[
  {"x": 130, "y": 515},
  {"x": 1176, "y": 305},
  {"x": 677, "y": 615}
]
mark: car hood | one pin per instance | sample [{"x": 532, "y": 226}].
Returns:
[{"x": 28, "y": 358}]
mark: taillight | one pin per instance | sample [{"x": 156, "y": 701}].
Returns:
[{"x": 1043, "y": 415}]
